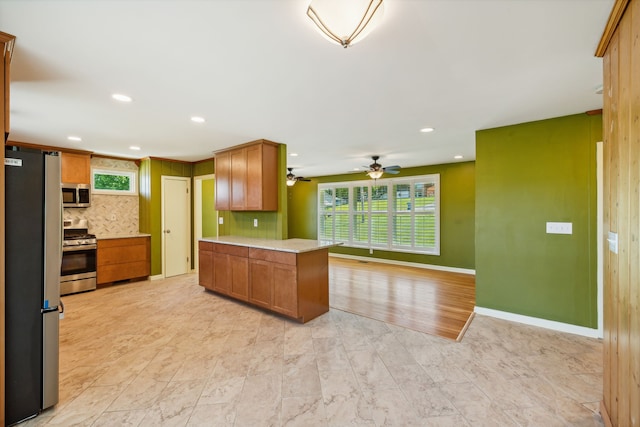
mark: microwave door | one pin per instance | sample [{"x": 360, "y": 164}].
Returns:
[{"x": 69, "y": 196}]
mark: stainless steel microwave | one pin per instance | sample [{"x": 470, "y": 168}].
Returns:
[{"x": 76, "y": 195}]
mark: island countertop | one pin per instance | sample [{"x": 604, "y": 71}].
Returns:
[{"x": 287, "y": 245}]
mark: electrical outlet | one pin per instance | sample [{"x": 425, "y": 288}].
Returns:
[
  {"x": 255, "y": 222},
  {"x": 559, "y": 228},
  {"x": 113, "y": 217},
  {"x": 220, "y": 220}
]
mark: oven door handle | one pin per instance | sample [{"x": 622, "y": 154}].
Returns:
[{"x": 79, "y": 248}]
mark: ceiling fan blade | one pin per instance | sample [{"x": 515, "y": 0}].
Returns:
[
  {"x": 303, "y": 179},
  {"x": 391, "y": 171},
  {"x": 392, "y": 167}
]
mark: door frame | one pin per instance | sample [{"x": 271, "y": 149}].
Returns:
[
  {"x": 599, "y": 235},
  {"x": 164, "y": 179},
  {"x": 197, "y": 213}
]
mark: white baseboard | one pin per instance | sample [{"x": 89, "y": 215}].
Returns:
[
  {"x": 541, "y": 323},
  {"x": 405, "y": 263},
  {"x": 156, "y": 277}
]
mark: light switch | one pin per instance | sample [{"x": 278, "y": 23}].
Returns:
[
  {"x": 220, "y": 220},
  {"x": 255, "y": 222},
  {"x": 613, "y": 242},
  {"x": 559, "y": 228}
]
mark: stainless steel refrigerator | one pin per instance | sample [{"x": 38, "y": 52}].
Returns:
[{"x": 33, "y": 221}]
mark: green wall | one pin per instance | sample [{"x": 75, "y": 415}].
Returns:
[
  {"x": 271, "y": 225},
  {"x": 457, "y": 210},
  {"x": 209, "y": 222},
  {"x": 526, "y": 175},
  {"x": 151, "y": 172}
]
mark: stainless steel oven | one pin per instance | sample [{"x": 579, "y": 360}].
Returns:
[{"x": 79, "y": 253}]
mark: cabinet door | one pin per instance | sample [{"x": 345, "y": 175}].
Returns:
[
  {"x": 205, "y": 269},
  {"x": 221, "y": 273},
  {"x": 76, "y": 168},
  {"x": 238, "y": 179},
  {"x": 285, "y": 289},
  {"x": 260, "y": 282},
  {"x": 223, "y": 181},
  {"x": 254, "y": 178},
  {"x": 239, "y": 277}
]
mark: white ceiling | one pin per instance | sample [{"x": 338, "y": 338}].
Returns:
[{"x": 258, "y": 69}]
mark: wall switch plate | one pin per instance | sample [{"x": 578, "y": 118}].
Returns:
[
  {"x": 255, "y": 222},
  {"x": 559, "y": 228},
  {"x": 612, "y": 238},
  {"x": 220, "y": 220}
]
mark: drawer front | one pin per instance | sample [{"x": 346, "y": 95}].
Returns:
[
  {"x": 205, "y": 246},
  {"x": 242, "y": 251},
  {"x": 122, "y": 255},
  {"x": 279, "y": 257},
  {"x": 114, "y": 273},
  {"x": 132, "y": 241}
]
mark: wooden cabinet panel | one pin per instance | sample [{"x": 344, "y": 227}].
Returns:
[
  {"x": 279, "y": 257},
  {"x": 260, "y": 283},
  {"x": 205, "y": 269},
  {"x": 239, "y": 267},
  {"x": 238, "y": 179},
  {"x": 221, "y": 273},
  {"x": 247, "y": 177},
  {"x": 223, "y": 184},
  {"x": 285, "y": 289},
  {"x": 123, "y": 259},
  {"x": 76, "y": 168}
]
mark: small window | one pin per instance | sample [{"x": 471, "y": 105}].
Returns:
[{"x": 108, "y": 181}]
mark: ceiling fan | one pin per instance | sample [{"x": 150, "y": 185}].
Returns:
[
  {"x": 292, "y": 179},
  {"x": 375, "y": 169}
]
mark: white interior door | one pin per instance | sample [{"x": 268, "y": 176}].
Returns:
[{"x": 176, "y": 225}]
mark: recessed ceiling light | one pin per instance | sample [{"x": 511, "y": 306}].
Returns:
[
  {"x": 356, "y": 169},
  {"x": 121, "y": 97},
  {"x": 74, "y": 138},
  {"x": 294, "y": 154},
  {"x": 457, "y": 157},
  {"x": 427, "y": 130},
  {"x": 134, "y": 147},
  {"x": 197, "y": 119}
]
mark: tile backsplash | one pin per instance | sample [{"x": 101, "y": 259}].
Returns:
[{"x": 109, "y": 214}]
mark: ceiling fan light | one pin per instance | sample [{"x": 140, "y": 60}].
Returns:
[
  {"x": 345, "y": 22},
  {"x": 375, "y": 174},
  {"x": 290, "y": 182}
]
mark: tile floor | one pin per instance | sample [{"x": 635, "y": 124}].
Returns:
[{"x": 167, "y": 353}]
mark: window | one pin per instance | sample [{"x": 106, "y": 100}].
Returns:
[
  {"x": 111, "y": 181},
  {"x": 396, "y": 214}
]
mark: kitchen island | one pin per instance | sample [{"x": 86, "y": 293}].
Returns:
[{"x": 290, "y": 277}]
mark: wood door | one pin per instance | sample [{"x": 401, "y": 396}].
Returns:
[
  {"x": 205, "y": 265},
  {"x": 238, "y": 179},
  {"x": 260, "y": 282},
  {"x": 223, "y": 181},
  {"x": 176, "y": 225},
  {"x": 221, "y": 273},
  {"x": 239, "y": 277},
  {"x": 285, "y": 289}
]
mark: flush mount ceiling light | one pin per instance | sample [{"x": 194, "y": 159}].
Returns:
[
  {"x": 74, "y": 138},
  {"x": 134, "y": 148},
  {"x": 427, "y": 130},
  {"x": 345, "y": 21},
  {"x": 121, "y": 97},
  {"x": 197, "y": 119}
]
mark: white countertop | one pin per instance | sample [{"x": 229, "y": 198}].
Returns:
[{"x": 288, "y": 245}]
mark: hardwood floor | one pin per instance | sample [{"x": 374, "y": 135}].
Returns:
[{"x": 430, "y": 301}]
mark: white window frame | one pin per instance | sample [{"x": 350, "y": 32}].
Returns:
[
  {"x": 390, "y": 213},
  {"x": 133, "y": 180}
]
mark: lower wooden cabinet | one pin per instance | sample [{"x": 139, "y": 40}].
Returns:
[
  {"x": 293, "y": 284},
  {"x": 123, "y": 259}
]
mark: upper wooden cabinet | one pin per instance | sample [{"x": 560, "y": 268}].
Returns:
[
  {"x": 247, "y": 177},
  {"x": 76, "y": 168}
]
